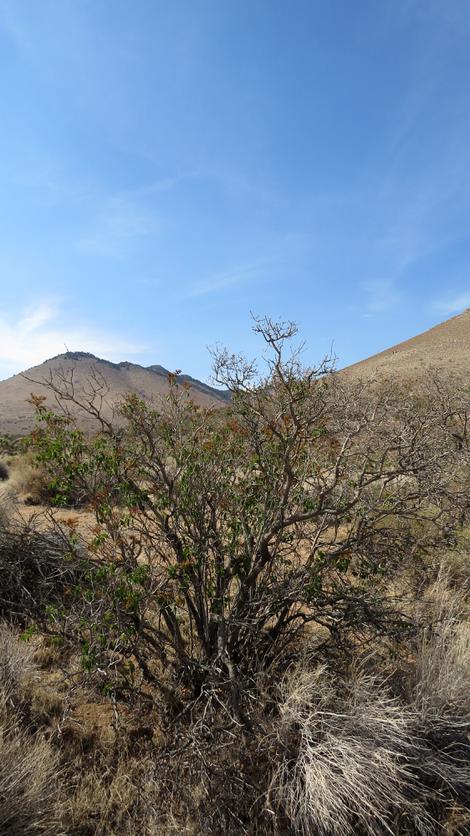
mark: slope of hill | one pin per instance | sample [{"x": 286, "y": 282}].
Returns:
[
  {"x": 446, "y": 348},
  {"x": 17, "y": 415}
]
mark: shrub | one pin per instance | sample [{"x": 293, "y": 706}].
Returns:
[
  {"x": 37, "y": 570},
  {"x": 222, "y": 537},
  {"x": 236, "y": 528}
]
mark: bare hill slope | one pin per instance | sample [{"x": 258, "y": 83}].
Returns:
[
  {"x": 17, "y": 415},
  {"x": 446, "y": 348}
]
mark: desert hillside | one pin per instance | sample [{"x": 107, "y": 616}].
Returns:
[
  {"x": 446, "y": 347},
  {"x": 17, "y": 415}
]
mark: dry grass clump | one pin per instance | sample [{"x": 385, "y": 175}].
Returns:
[
  {"x": 28, "y": 764},
  {"x": 16, "y": 663},
  {"x": 36, "y": 567},
  {"x": 349, "y": 751},
  {"x": 112, "y": 798},
  {"x": 357, "y": 759},
  {"x": 28, "y": 782},
  {"x": 443, "y": 657},
  {"x": 28, "y": 482},
  {"x": 454, "y": 565},
  {"x": 5, "y": 511}
]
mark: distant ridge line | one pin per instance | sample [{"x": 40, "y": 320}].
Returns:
[{"x": 154, "y": 368}]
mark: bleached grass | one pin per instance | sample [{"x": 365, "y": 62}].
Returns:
[
  {"x": 28, "y": 765},
  {"x": 443, "y": 659},
  {"x": 357, "y": 759},
  {"x": 28, "y": 482},
  {"x": 16, "y": 663},
  {"x": 350, "y": 766}
]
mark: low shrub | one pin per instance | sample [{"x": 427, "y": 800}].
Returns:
[
  {"x": 28, "y": 480},
  {"x": 36, "y": 569}
]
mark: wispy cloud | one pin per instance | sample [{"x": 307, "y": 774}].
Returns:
[
  {"x": 41, "y": 332},
  {"x": 224, "y": 280},
  {"x": 275, "y": 255},
  {"x": 118, "y": 224},
  {"x": 382, "y": 295},
  {"x": 454, "y": 304}
]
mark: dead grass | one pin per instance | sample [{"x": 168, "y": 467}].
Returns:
[
  {"x": 116, "y": 799},
  {"x": 28, "y": 482},
  {"x": 28, "y": 765},
  {"x": 443, "y": 657},
  {"x": 359, "y": 757},
  {"x": 349, "y": 769},
  {"x": 28, "y": 783},
  {"x": 16, "y": 663}
]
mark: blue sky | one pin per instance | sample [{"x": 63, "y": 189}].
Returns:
[{"x": 168, "y": 167}]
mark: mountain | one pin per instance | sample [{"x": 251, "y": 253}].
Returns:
[
  {"x": 17, "y": 415},
  {"x": 445, "y": 348}
]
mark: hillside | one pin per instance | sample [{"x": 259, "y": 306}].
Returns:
[
  {"x": 17, "y": 415},
  {"x": 446, "y": 348}
]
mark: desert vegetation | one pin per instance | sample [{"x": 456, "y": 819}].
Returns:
[{"x": 249, "y": 619}]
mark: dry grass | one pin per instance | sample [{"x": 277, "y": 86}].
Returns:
[
  {"x": 117, "y": 799},
  {"x": 28, "y": 764},
  {"x": 349, "y": 765},
  {"x": 443, "y": 658},
  {"x": 28, "y": 482},
  {"x": 28, "y": 783},
  {"x": 356, "y": 758},
  {"x": 16, "y": 663}
]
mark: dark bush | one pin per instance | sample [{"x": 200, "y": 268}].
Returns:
[{"x": 36, "y": 570}]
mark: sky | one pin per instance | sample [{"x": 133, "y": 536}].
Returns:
[{"x": 166, "y": 168}]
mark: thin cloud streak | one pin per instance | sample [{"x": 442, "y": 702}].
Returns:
[
  {"x": 40, "y": 333},
  {"x": 382, "y": 295},
  {"x": 225, "y": 280},
  {"x": 119, "y": 223},
  {"x": 277, "y": 253},
  {"x": 453, "y": 305}
]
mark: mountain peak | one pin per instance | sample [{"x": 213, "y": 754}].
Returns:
[
  {"x": 17, "y": 413},
  {"x": 76, "y": 355}
]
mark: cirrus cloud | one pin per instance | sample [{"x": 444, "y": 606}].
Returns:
[
  {"x": 454, "y": 304},
  {"x": 40, "y": 332}
]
